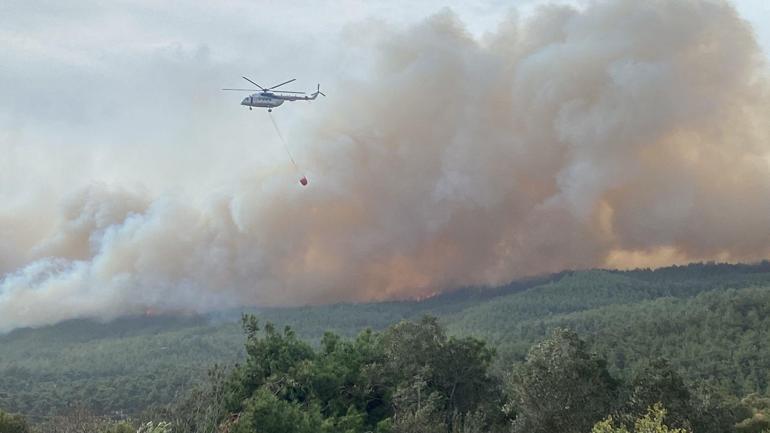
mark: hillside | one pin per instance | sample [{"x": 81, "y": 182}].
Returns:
[{"x": 710, "y": 320}]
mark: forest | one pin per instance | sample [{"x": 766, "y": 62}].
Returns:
[{"x": 684, "y": 347}]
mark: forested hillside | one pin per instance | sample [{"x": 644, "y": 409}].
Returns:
[{"x": 710, "y": 321}]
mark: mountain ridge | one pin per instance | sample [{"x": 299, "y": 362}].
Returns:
[{"x": 132, "y": 363}]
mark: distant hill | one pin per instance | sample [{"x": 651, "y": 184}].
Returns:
[{"x": 711, "y": 320}]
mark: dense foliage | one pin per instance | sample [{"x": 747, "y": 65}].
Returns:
[
  {"x": 692, "y": 337},
  {"x": 112, "y": 369},
  {"x": 413, "y": 378},
  {"x": 561, "y": 387},
  {"x": 13, "y": 423},
  {"x": 652, "y": 422},
  {"x": 376, "y": 382}
]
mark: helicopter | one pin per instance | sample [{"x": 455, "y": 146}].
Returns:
[{"x": 265, "y": 97}]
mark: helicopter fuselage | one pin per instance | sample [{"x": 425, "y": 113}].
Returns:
[
  {"x": 271, "y": 100},
  {"x": 263, "y": 100}
]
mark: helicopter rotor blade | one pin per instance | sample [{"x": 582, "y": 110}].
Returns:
[
  {"x": 279, "y": 85},
  {"x": 244, "y": 90},
  {"x": 262, "y": 88}
]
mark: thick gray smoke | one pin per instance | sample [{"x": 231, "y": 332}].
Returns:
[{"x": 626, "y": 133}]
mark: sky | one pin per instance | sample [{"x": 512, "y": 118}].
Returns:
[
  {"x": 460, "y": 143},
  {"x": 90, "y": 77}
]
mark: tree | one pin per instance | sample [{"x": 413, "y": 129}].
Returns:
[
  {"x": 273, "y": 359},
  {"x": 702, "y": 410},
  {"x": 412, "y": 376},
  {"x": 427, "y": 418},
  {"x": 716, "y": 412},
  {"x": 284, "y": 384},
  {"x": 12, "y": 423},
  {"x": 266, "y": 413},
  {"x": 424, "y": 363},
  {"x": 347, "y": 378},
  {"x": 758, "y": 421},
  {"x": 561, "y": 387},
  {"x": 652, "y": 422},
  {"x": 202, "y": 408},
  {"x": 658, "y": 382}
]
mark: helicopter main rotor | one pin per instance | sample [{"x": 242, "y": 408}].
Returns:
[{"x": 267, "y": 90}]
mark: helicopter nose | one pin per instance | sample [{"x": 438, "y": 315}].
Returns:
[{"x": 245, "y": 101}]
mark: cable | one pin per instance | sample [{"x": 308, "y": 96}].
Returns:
[
  {"x": 303, "y": 179},
  {"x": 283, "y": 141}
]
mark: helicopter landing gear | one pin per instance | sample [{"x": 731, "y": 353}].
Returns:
[
  {"x": 249, "y": 108},
  {"x": 269, "y": 110}
]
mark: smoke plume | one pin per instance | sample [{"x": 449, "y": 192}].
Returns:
[{"x": 622, "y": 134}]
